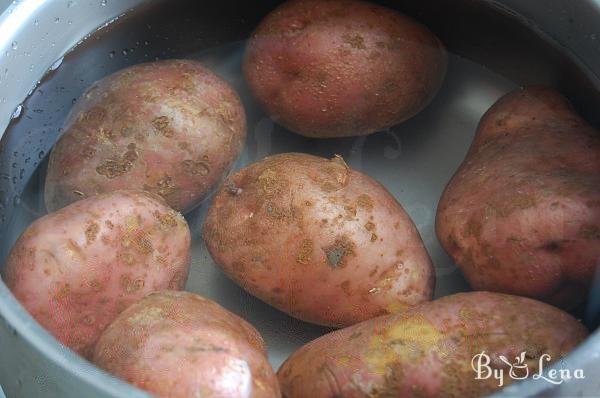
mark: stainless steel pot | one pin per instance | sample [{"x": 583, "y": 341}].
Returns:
[{"x": 496, "y": 46}]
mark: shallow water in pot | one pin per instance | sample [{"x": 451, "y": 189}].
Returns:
[{"x": 414, "y": 160}]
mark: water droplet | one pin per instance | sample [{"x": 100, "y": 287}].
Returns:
[
  {"x": 146, "y": 43},
  {"x": 56, "y": 20},
  {"x": 17, "y": 112},
  {"x": 124, "y": 52},
  {"x": 71, "y": 3},
  {"x": 41, "y": 154},
  {"x": 14, "y": 45},
  {"x": 103, "y": 3},
  {"x": 31, "y": 67},
  {"x": 36, "y": 22},
  {"x": 56, "y": 64},
  {"x": 17, "y": 200},
  {"x": 111, "y": 54}
]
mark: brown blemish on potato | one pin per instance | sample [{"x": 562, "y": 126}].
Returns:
[
  {"x": 164, "y": 187},
  {"x": 589, "y": 232},
  {"x": 142, "y": 243},
  {"x": 74, "y": 250},
  {"x": 95, "y": 285},
  {"x": 131, "y": 286},
  {"x": 127, "y": 258},
  {"x": 552, "y": 246},
  {"x": 162, "y": 125},
  {"x": 112, "y": 168},
  {"x": 109, "y": 224},
  {"x": 89, "y": 319},
  {"x": 393, "y": 384},
  {"x": 364, "y": 201},
  {"x": 94, "y": 116},
  {"x": 91, "y": 232},
  {"x": 345, "y": 286},
  {"x": 306, "y": 250},
  {"x": 195, "y": 167},
  {"x": 338, "y": 253},
  {"x": 271, "y": 183},
  {"x": 88, "y": 152},
  {"x": 63, "y": 292},
  {"x": 231, "y": 189},
  {"x": 592, "y": 203},
  {"x": 473, "y": 228},
  {"x": 106, "y": 134},
  {"x": 184, "y": 146},
  {"x": 165, "y": 219},
  {"x": 355, "y": 41},
  {"x": 277, "y": 212}
]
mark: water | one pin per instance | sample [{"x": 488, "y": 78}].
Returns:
[{"x": 414, "y": 160}]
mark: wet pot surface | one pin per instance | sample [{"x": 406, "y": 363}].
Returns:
[{"x": 490, "y": 55}]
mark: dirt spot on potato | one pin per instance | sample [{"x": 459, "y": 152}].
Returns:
[
  {"x": 306, "y": 250},
  {"x": 589, "y": 232},
  {"x": 91, "y": 232},
  {"x": 355, "y": 41},
  {"x": 162, "y": 125},
  {"x": 195, "y": 167},
  {"x": 338, "y": 253},
  {"x": 113, "y": 168}
]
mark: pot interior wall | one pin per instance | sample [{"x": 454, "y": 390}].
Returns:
[{"x": 491, "y": 54}]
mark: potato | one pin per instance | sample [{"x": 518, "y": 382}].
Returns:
[
  {"x": 178, "y": 344},
  {"x": 172, "y": 128},
  {"x": 341, "y": 68},
  {"x": 319, "y": 241},
  {"x": 522, "y": 214},
  {"x": 428, "y": 350},
  {"x": 76, "y": 269}
]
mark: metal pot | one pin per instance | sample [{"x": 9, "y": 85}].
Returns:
[{"x": 47, "y": 60}]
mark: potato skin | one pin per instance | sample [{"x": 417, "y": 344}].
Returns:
[
  {"x": 76, "y": 269},
  {"x": 172, "y": 128},
  {"x": 338, "y": 68},
  {"x": 178, "y": 345},
  {"x": 427, "y": 351},
  {"x": 317, "y": 240},
  {"x": 522, "y": 214}
]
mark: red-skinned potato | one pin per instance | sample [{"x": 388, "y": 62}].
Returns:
[
  {"x": 318, "y": 240},
  {"x": 339, "y": 68},
  {"x": 180, "y": 345},
  {"x": 429, "y": 350},
  {"x": 522, "y": 214},
  {"x": 172, "y": 128},
  {"x": 76, "y": 269}
]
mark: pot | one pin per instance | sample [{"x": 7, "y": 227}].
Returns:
[{"x": 51, "y": 50}]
